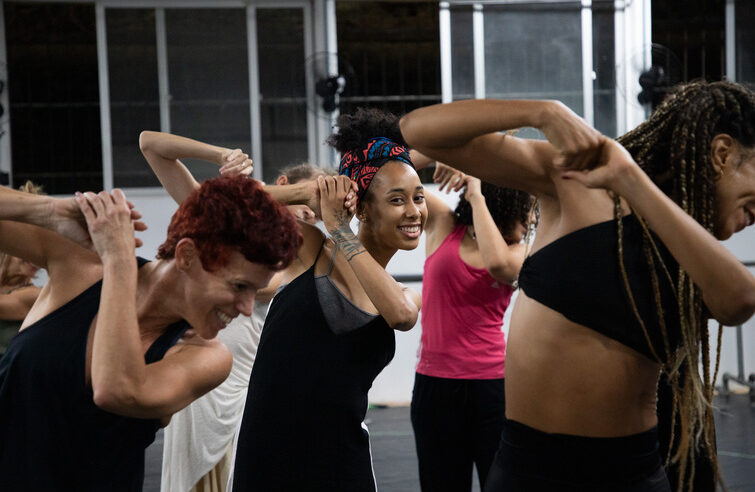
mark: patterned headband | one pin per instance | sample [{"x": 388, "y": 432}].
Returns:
[{"x": 361, "y": 165}]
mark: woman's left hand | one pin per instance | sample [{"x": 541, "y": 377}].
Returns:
[
  {"x": 612, "y": 171},
  {"x": 473, "y": 187},
  {"x": 334, "y": 191}
]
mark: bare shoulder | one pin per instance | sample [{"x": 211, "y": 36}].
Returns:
[
  {"x": 312, "y": 241},
  {"x": 66, "y": 281},
  {"x": 440, "y": 215},
  {"x": 211, "y": 357}
]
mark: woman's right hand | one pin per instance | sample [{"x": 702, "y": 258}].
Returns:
[
  {"x": 235, "y": 162},
  {"x": 333, "y": 193},
  {"x": 313, "y": 192},
  {"x": 579, "y": 144},
  {"x": 109, "y": 222},
  {"x": 448, "y": 177}
]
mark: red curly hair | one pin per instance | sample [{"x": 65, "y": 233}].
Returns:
[{"x": 229, "y": 214}]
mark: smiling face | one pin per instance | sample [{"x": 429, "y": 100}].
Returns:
[
  {"x": 214, "y": 298},
  {"x": 735, "y": 191},
  {"x": 394, "y": 210}
]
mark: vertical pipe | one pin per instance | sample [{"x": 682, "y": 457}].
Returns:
[
  {"x": 5, "y": 145},
  {"x": 621, "y": 59},
  {"x": 446, "y": 82},
  {"x": 478, "y": 36},
  {"x": 255, "y": 118},
  {"x": 162, "y": 69},
  {"x": 731, "y": 32},
  {"x": 104, "y": 86},
  {"x": 309, "y": 86},
  {"x": 588, "y": 74},
  {"x": 740, "y": 355}
]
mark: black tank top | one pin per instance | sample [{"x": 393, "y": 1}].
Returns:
[
  {"x": 52, "y": 435},
  {"x": 579, "y": 276},
  {"x": 303, "y": 426}
]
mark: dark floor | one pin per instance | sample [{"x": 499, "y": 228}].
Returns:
[{"x": 395, "y": 460}]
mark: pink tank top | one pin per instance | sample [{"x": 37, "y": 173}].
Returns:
[{"x": 462, "y": 316}]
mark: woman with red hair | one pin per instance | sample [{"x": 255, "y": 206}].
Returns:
[{"x": 116, "y": 344}]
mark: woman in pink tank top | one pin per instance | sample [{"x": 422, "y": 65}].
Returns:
[{"x": 474, "y": 254}]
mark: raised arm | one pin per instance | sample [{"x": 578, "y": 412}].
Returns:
[
  {"x": 464, "y": 134},
  {"x": 15, "y": 305},
  {"x": 398, "y": 305},
  {"x": 28, "y": 224},
  {"x": 122, "y": 382},
  {"x": 308, "y": 193},
  {"x": 727, "y": 286},
  {"x": 502, "y": 261},
  {"x": 163, "y": 152}
]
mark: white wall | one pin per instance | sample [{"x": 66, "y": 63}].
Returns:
[{"x": 157, "y": 207}]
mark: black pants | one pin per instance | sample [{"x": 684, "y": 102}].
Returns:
[
  {"x": 457, "y": 424},
  {"x": 530, "y": 460}
]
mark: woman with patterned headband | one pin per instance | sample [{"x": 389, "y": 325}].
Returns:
[{"x": 329, "y": 331}]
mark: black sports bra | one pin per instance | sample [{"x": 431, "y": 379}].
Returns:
[{"x": 579, "y": 276}]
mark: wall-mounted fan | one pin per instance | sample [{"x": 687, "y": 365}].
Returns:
[
  {"x": 657, "y": 79},
  {"x": 334, "y": 79}
]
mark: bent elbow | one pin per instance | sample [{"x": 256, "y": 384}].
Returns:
[
  {"x": 111, "y": 399},
  {"x": 503, "y": 273},
  {"x": 405, "y": 126},
  {"x": 738, "y": 309},
  {"x": 145, "y": 140},
  {"x": 405, "y": 320},
  {"x": 746, "y": 307}
]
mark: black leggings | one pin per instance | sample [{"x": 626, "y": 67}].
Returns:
[
  {"x": 457, "y": 424},
  {"x": 530, "y": 460}
]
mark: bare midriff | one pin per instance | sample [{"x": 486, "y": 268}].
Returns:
[{"x": 562, "y": 377}]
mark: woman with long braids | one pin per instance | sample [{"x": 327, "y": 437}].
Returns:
[
  {"x": 474, "y": 253},
  {"x": 624, "y": 271}
]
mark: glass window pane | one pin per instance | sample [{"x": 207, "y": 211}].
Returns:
[
  {"x": 745, "y": 42},
  {"x": 134, "y": 93},
  {"x": 396, "y": 58},
  {"x": 462, "y": 52},
  {"x": 534, "y": 51},
  {"x": 208, "y": 77},
  {"x": 54, "y": 96},
  {"x": 604, "y": 54},
  {"x": 283, "y": 95}
]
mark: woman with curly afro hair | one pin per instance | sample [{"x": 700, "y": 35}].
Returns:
[{"x": 474, "y": 254}]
